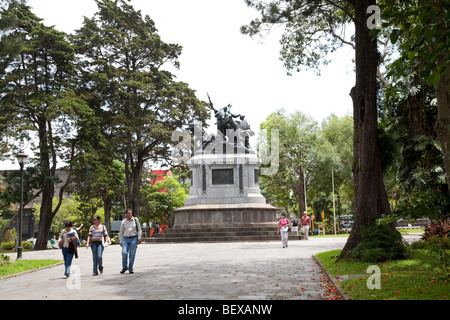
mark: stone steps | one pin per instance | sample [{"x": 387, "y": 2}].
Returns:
[{"x": 221, "y": 234}]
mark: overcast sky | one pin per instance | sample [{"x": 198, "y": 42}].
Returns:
[{"x": 216, "y": 58}]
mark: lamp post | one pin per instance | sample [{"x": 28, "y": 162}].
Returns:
[
  {"x": 170, "y": 213},
  {"x": 21, "y": 158}
]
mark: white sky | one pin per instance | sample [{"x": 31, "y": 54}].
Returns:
[{"x": 216, "y": 58}]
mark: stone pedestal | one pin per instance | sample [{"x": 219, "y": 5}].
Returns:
[
  {"x": 225, "y": 215},
  {"x": 224, "y": 192},
  {"x": 224, "y": 179}
]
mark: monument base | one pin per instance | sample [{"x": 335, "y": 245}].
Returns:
[
  {"x": 224, "y": 223},
  {"x": 239, "y": 214}
]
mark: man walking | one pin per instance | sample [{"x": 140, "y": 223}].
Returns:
[{"x": 130, "y": 236}]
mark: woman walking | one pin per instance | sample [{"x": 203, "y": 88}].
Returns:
[
  {"x": 68, "y": 243},
  {"x": 283, "y": 227},
  {"x": 97, "y": 236}
]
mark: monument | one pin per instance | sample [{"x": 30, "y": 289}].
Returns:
[{"x": 224, "y": 179}]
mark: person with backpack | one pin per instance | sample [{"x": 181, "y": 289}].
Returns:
[
  {"x": 97, "y": 238},
  {"x": 130, "y": 236},
  {"x": 68, "y": 244},
  {"x": 295, "y": 224}
]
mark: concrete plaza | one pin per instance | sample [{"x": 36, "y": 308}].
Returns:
[{"x": 183, "y": 271}]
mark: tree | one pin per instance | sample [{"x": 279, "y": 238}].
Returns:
[
  {"x": 423, "y": 31},
  {"x": 38, "y": 98},
  {"x": 125, "y": 57},
  {"x": 310, "y": 35},
  {"x": 297, "y": 135},
  {"x": 307, "y": 155},
  {"x": 162, "y": 197},
  {"x": 333, "y": 152}
]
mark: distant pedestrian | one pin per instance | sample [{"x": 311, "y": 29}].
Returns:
[
  {"x": 53, "y": 242},
  {"x": 283, "y": 228},
  {"x": 156, "y": 229},
  {"x": 68, "y": 243},
  {"x": 306, "y": 221},
  {"x": 130, "y": 236},
  {"x": 97, "y": 238},
  {"x": 295, "y": 224}
]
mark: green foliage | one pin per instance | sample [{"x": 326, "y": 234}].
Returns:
[
  {"x": 380, "y": 243},
  {"x": 27, "y": 245},
  {"x": 25, "y": 265},
  {"x": 4, "y": 259},
  {"x": 8, "y": 246},
  {"x": 428, "y": 203},
  {"x": 431, "y": 242},
  {"x": 310, "y": 151},
  {"x": 140, "y": 103},
  {"x": 422, "y": 28},
  {"x": 311, "y": 28},
  {"x": 156, "y": 199},
  {"x": 414, "y": 278},
  {"x": 437, "y": 234}
]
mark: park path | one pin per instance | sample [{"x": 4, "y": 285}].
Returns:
[{"x": 184, "y": 271}]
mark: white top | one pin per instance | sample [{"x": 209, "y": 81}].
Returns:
[
  {"x": 67, "y": 234},
  {"x": 128, "y": 228}
]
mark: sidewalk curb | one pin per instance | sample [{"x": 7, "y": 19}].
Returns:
[
  {"x": 30, "y": 271},
  {"x": 332, "y": 279}
]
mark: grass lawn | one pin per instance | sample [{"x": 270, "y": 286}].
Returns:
[
  {"x": 416, "y": 278},
  {"x": 17, "y": 266}
]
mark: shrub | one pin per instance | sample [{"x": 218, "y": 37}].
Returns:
[
  {"x": 437, "y": 228},
  {"x": 380, "y": 243},
  {"x": 431, "y": 241},
  {"x": 8, "y": 246},
  {"x": 11, "y": 245},
  {"x": 4, "y": 259},
  {"x": 27, "y": 245}
]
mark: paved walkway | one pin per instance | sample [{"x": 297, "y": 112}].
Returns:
[{"x": 197, "y": 271}]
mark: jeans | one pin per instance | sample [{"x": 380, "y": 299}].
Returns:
[
  {"x": 68, "y": 257},
  {"x": 97, "y": 256},
  {"x": 129, "y": 246}
]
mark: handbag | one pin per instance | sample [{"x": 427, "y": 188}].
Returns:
[
  {"x": 104, "y": 242},
  {"x": 61, "y": 243}
]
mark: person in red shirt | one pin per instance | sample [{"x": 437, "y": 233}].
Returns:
[{"x": 306, "y": 221}]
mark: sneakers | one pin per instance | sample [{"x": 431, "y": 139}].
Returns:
[{"x": 123, "y": 270}]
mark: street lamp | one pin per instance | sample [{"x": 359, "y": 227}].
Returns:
[
  {"x": 22, "y": 159},
  {"x": 170, "y": 213}
]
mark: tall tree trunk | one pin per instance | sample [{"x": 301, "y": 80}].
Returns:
[
  {"x": 137, "y": 180},
  {"x": 370, "y": 193},
  {"x": 443, "y": 120},
  {"x": 299, "y": 189},
  {"x": 107, "y": 206},
  {"x": 133, "y": 173},
  {"x": 46, "y": 213},
  {"x": 48, "y": 190}
]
